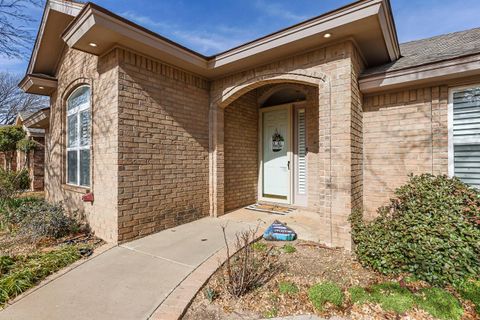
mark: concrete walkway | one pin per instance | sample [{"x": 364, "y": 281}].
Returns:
[{"x": 129, "y": 281}]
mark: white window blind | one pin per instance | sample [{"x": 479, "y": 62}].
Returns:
[
  {"x": 78, "y": 137},
  {"x": 302, "y": 153},
  {"x": 466, "y": 135}
]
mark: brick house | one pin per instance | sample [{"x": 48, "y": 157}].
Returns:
[
  {"x": 329, "y": 115},
  {"x": 35, "y": 159}
]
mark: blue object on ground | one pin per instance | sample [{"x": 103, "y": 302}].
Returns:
[{"x": 277, "y": 231}]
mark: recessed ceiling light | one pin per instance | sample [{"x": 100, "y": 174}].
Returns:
[
  {"x": 92, "y": 44},
  {"x": 327, "y": 35},
  {"x": 41, "y": 88}
]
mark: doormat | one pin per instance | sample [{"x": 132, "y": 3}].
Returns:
[{"x": 270, "y": 208}]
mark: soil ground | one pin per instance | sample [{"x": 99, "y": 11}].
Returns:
[{"x": 310, "y": 264}]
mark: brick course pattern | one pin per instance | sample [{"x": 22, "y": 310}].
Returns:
[
  {"x": 404, "y": 132},
  {"x": 162, "y": 147},
  {"x": 78, "y": 68},
  {"x": 241, "y": 152},
  {"x": 330, "y": 70},
  {"x": 169, "y": 147}
]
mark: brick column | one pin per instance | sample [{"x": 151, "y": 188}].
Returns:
[{"x": 216, "y": 161}]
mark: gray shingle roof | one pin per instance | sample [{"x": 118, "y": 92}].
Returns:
[
  {"x": 435, "y": 49},
  {"x": 26, "y": 114}
]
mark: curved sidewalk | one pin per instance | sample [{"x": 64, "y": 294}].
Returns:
[{"x": 150, "y": 278}]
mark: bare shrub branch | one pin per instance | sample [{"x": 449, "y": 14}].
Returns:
[{"x": 246, "y": 269}]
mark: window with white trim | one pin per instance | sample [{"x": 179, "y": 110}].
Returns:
[
  {"x": 464, "y": 134},
  {"x": 78, "y": 137}
]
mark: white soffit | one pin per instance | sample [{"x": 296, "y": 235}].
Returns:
[
  {"x": 368, "y": 22},
  {"x": 48, "y": 45}
]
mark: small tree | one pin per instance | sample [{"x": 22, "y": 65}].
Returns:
[
  {"x": 9, "y": 137},
  {"x": 26, "y": 145}
]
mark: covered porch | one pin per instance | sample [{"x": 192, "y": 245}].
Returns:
[
  {"x": 275, "y": 149},
  {"x": 270, "y": 147}
]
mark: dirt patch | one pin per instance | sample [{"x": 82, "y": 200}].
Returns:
[
  {"x": 286, "y": 294},
  {"x": 11, "y": 244},
  {"x": 309, "y": 264}
]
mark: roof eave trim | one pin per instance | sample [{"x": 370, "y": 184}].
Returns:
[
  {"x": 66, "y": 7},
  {"x": 321, "y": 24},
  {"x": 389, "y": 31},
  {"x": 36, "y": 118},
  {"x": 439, "y": 71},
  {"x": 93, "y": 15},
  {"x": 30, "y": 81}
]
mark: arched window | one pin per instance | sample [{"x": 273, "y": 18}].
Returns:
[{"x": 78, "y": 137}]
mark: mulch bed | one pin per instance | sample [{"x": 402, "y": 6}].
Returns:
[
  {"x": 18, "y": 245},
  {"x": 310, "y": 264}
]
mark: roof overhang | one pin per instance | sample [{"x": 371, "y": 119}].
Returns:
[
  {"x": 420, "y": 75},
  {"x": 38, "y": 120},
  {"x": 38, "y": 84},
  {"x": 368, "y": 22},
  {"x": 49, "y": 45}
]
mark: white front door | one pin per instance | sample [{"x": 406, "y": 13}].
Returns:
[{"x": 276, "y": 154}]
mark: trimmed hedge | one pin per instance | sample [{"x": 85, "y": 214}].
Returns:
[{"x": 431, "y": 230}]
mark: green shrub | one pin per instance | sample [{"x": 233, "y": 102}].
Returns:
[
  {"x": 9, "y": 137},
  {"x": 392, "y": 297},
  {"x": 324, "y": 292},
  {"x": 439, "y": 303},
  {"x": 358, "y": 295},
  {"x": 8, "y": 209},
  {"x": 288, "y": 248},
  {"x": 27, "y": 271},
  {"x": 12, "y": 182},
  {"x": 26, "y": 145},
  {"x": 6, "y": 263},
  {"x": 470, "y": 290},
  {"x": 259, "y": 246},
  {"x": 288, "y": 288},
  {"x": 40, "y": 219},
  {"x": 429, "y": 230},
  {"x": 389, "y": 295}
]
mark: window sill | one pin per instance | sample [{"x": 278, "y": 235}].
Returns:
[{"x": 77, "y": 189}]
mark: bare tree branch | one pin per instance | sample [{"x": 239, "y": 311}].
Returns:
[
  {"x": 16, "y": 27},
  {"x": 13, "y": 100}
]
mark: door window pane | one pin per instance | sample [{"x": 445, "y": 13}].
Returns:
[
  {"x": 72, "y": 162},
  {"x": 85, "y": 167}
]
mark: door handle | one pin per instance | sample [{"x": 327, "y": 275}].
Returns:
[{"x": 288, "y": 165}]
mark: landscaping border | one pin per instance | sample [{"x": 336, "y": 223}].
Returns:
[
  {"x": 54, "y": 276},
  {"x": 174, "y": 306}
]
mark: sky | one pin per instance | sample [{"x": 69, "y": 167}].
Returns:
[{"x": 212, "y": 26}]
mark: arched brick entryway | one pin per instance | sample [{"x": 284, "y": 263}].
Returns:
[{"x": 227, "y": 94}]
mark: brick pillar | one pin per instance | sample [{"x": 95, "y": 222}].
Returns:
[
  {"x": 216, "y": 161},
  {"x": 335, "y": 159}
]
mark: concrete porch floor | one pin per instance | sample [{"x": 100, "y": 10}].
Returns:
[
  {"x": 305, "y": 223},
  {"x": 132, "y": 280}
]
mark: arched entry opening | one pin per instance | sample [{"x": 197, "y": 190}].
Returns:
[{"x": 269, "y": 141}]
